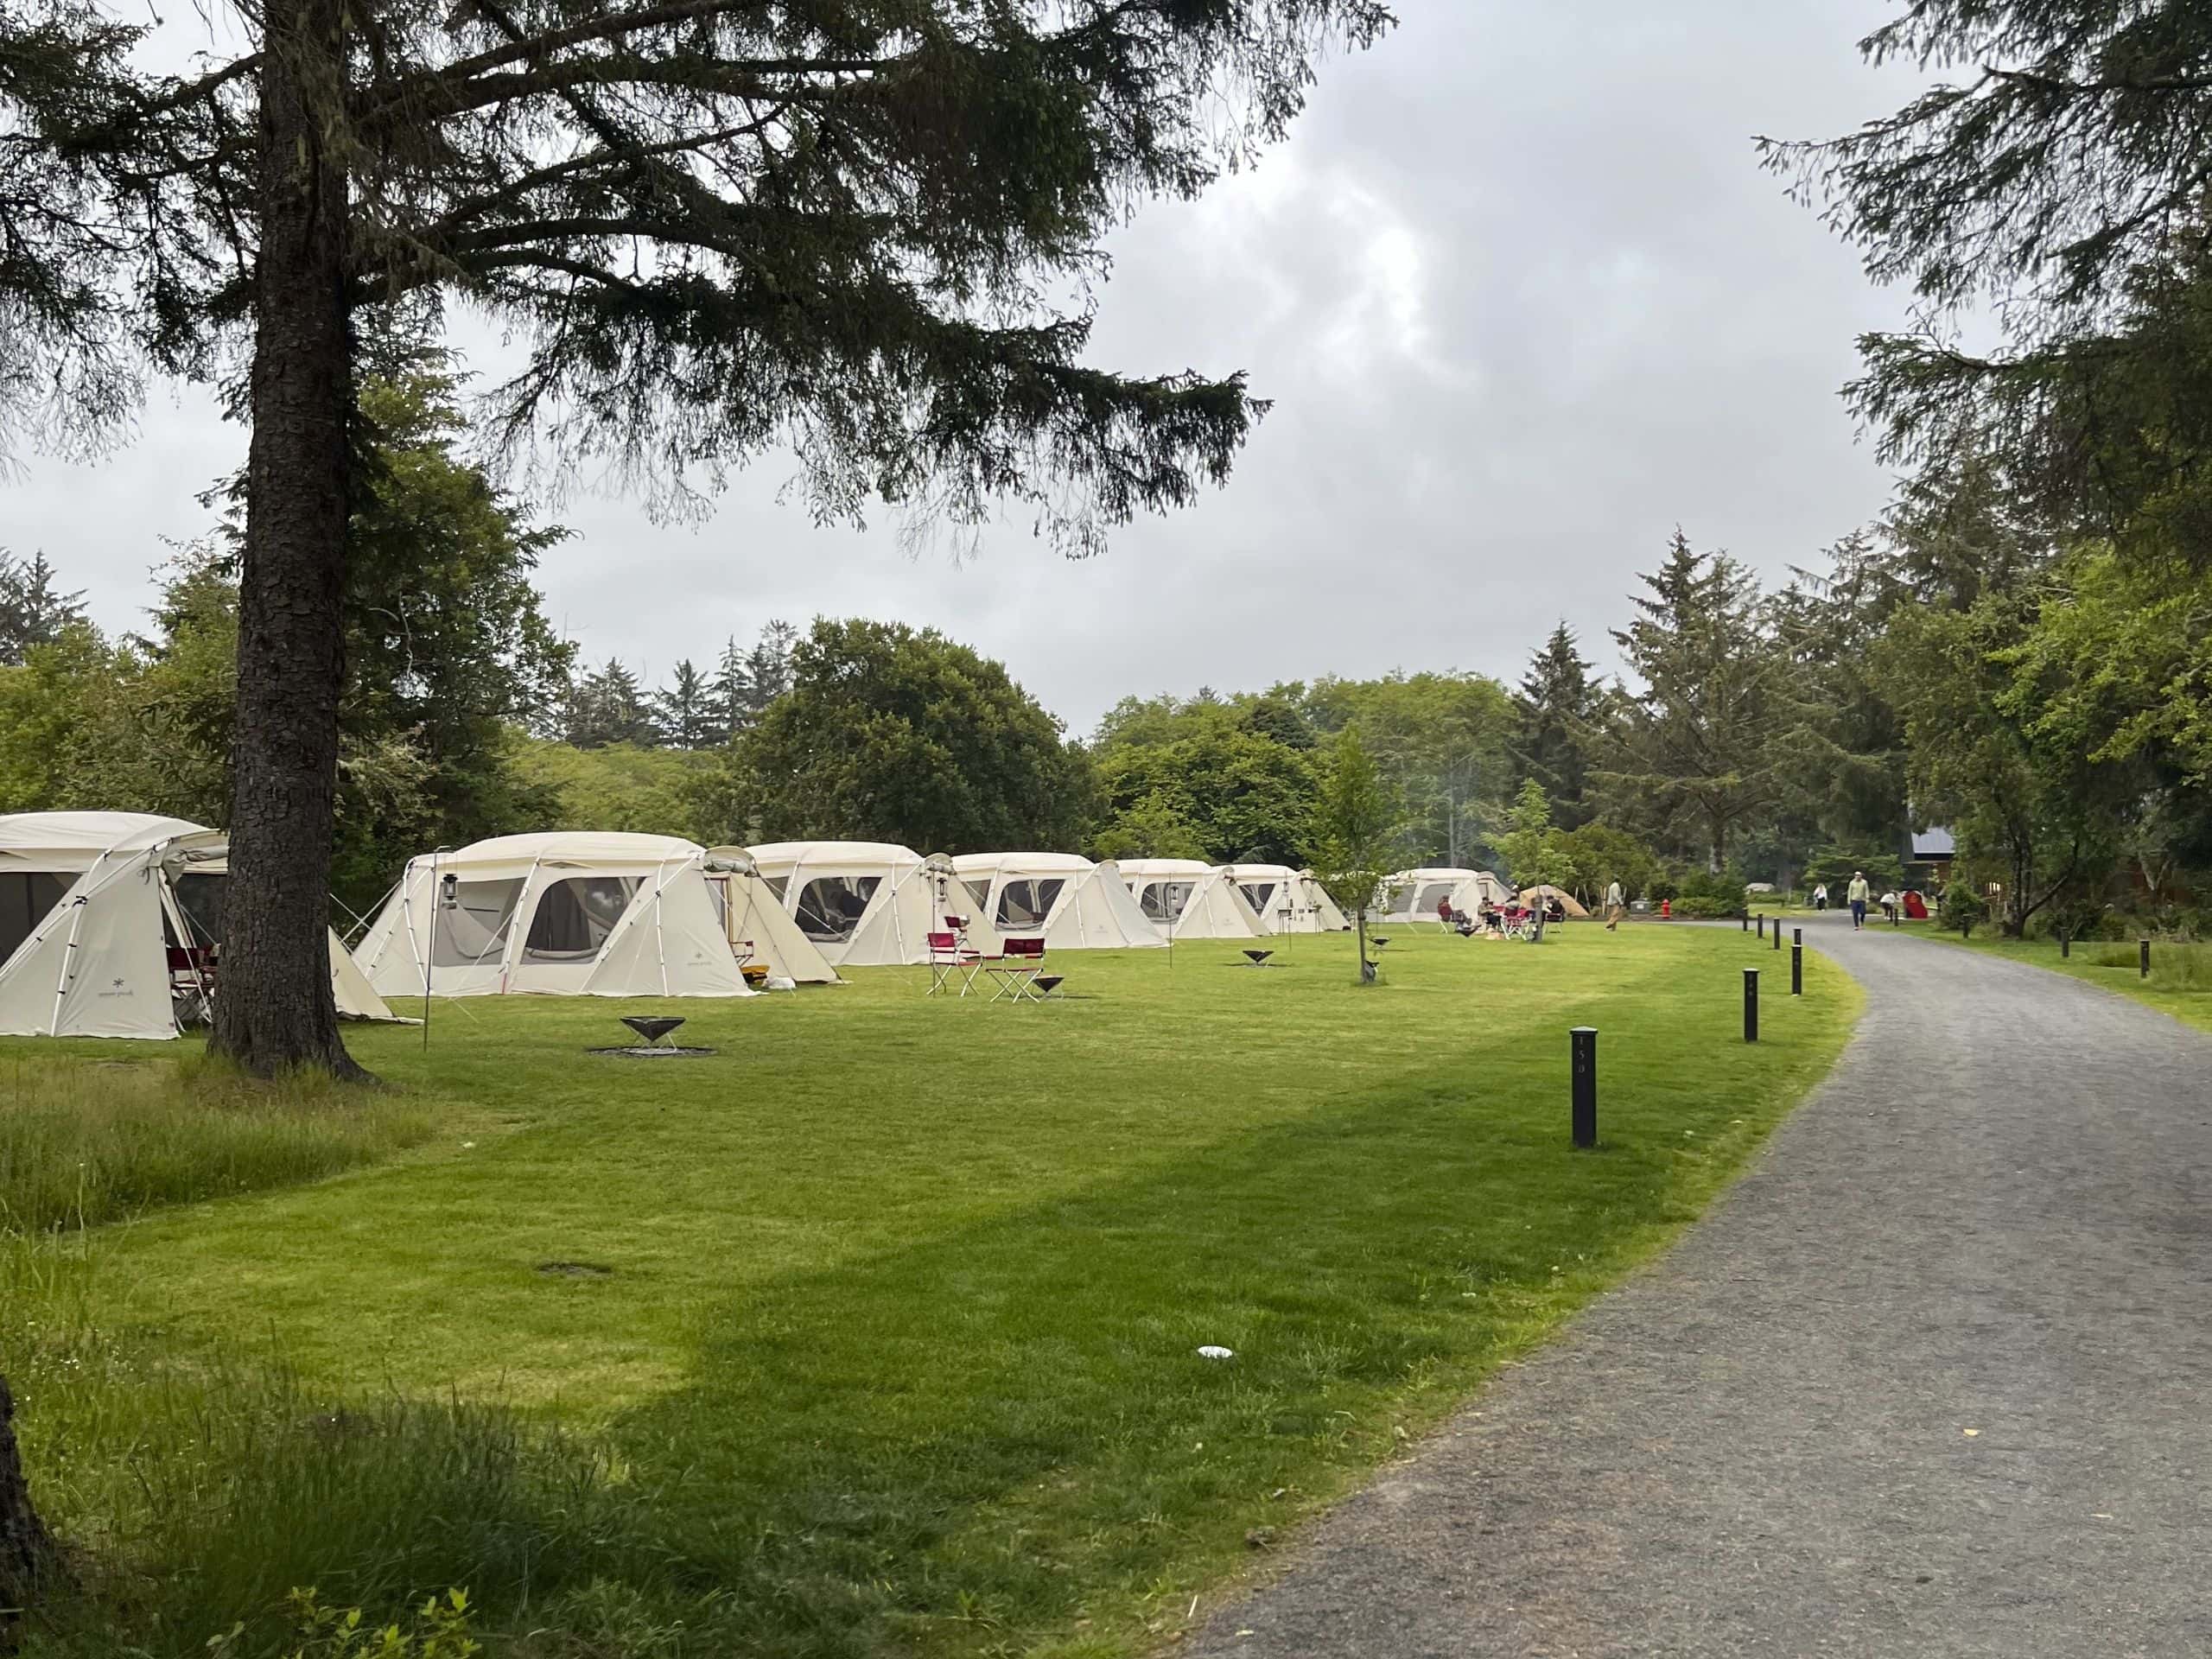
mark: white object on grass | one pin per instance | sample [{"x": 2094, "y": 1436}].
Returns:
[{"x": 1211, "y": 1351}]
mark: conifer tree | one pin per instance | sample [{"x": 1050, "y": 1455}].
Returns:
[
  {"x": 712, "y": 227},
  {"x": 1554, "y": 712}
]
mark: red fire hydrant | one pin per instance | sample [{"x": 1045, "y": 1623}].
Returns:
[{"x": 1666, "y": 910}]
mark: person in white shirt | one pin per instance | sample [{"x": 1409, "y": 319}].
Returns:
[
  {"x": 1616, "y": 902},
  {"x": 1820, "y": 897}
]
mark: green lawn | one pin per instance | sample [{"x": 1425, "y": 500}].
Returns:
[
  {"x": 2181, "y": 975},
  {"x": 877, "y": 1330}
]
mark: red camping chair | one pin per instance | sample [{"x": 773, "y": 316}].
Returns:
[
  {"x": 951, "y": 960},
  {"x": 1017, "y": 968}
]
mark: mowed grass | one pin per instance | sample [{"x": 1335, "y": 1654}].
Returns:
[
  {"x": 875, "y": 1333},
  {"x": 2181, "y": 975}
]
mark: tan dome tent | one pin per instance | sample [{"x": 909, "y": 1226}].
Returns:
[
  {"x": 1414, "y": 894},
  {"x": 1567, "y": 903},
  {"x": 1070, "y": 902},
  {"x": 1189, "y": 900},
  {"x": 756, "y": 923},
  {"x": 870, "y": 904},
  {"x": 568, "y": 914},
  {"x": 112, "y": 926},
  {"x": 1286, "y": 900}
]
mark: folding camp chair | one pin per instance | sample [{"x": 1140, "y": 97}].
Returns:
[
  {"x": 1017, "y": 970},
  {"x": 949, "y": 960}
]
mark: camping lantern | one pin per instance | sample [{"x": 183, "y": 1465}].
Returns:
[{"x": 450, "y": 890}]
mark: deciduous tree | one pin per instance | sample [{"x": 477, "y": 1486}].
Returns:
[
  {"x": 1356, "y": 822},
  {"x": 888, "y": 734}
]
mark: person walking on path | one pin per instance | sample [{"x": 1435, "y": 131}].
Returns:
[
  {"x": 1820, "y": 897},
  {"x": 1616, "y": 902},
  {"x": 1857, "y": 892}
]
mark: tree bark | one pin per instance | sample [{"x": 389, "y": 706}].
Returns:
[
  {"x": 273, "y": 1005},
  {"x": 27, "y": 1555}
]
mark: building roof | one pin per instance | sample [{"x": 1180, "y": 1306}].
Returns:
[{"x": 1925, "y": 844}]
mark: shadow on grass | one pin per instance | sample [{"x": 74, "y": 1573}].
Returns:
[{"x": 996, "y": 1436}]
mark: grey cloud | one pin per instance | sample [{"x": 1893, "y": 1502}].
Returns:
[{"x": 1523, "y": 301}]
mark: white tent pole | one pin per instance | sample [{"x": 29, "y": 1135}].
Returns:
[
  {"x": 516, "y": 935},
  {"x": 660, "y": 944},
  {"x": 407, "y": 921}
]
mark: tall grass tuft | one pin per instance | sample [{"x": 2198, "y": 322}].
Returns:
[
  {"x": 198, "y": 1492},
  {"x": 2173, "y": 966},
  {"x": 83, "y": 1142}
]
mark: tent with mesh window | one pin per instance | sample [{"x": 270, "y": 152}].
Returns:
[
  {"x": 1286, "y": 900},
  {"x": 570, "y": 913},
  {"x": 759, "y": 928},
  {"x": 1414, "y": 894},
  {"x": 1191, "y": 900},
  {"x": 870, "y": 904},
  {"x": 1069, "y": 902},
  {"x": 112, "y": 926}
]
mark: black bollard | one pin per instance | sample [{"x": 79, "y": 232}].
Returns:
[
  {"x": 2143, "y": 957},
  {"x": 1797, "y": 962},
  {"x": 2065, "y": 943},
  {"x": 1582, "y": 1045},
  {"x": 1745, "y": 917},
  {"x": 1750, "y": 1005},
  {"x": 1777, "y": 932},
  {"x": 1762, "y": 927}
]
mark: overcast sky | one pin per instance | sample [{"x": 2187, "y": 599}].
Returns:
[{"x": 1522, "y": 299}]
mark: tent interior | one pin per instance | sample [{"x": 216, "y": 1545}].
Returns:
[
  {"x": 1286, "y": 900},
  {"x": 1414, "y": 894},
  {"x": 112, "y": 924},
  {"x": 1071, "y": 903},
  {"x": 564, "y": 913},
  {"x": 1191, "y": 900},
  {"x": 870, "y": 904}
]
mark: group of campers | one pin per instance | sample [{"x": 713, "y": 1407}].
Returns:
[{"x": 111, "y": 922}]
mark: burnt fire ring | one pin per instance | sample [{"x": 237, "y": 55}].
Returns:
[
  {"x": 573, "y": 1270},
  {"x": 654, "y": 1028}
]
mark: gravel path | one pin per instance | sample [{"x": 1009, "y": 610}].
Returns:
[{"x": 1935, "y": 1378}]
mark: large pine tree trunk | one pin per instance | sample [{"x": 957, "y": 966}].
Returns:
[
  {"x": 273, "y": 1006},
  {"x": 26, "y": 1551}
]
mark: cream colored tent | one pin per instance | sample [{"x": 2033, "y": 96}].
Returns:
[
  {"x": 1414, "y": 894},
  {"x": 112, "y": 923},
  {"x": 869, "y": 903},
  {"x": 1191, "y": 899},
  {"x": 562, "y": 914},
  {"x": 755, "y": 920},
  {"x": 1072, "y": 903},
  {"x": 1286, "y": 900}
]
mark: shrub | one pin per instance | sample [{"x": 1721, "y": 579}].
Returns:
[
  {"x": 1710, "y": 898},
  {"x": 1963, "y": 908}
]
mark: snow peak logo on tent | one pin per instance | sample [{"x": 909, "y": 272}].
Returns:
[{"x": 118, "y": 988}]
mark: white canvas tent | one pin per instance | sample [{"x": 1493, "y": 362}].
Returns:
[
  {"x": 1191, "y": 899},
  {"x": 1414, "y": 894},
  {"x": 1070, "y": 902},
  {"x": 570, "y": 913},
  {"x": 1286, "y": 900},
  {"x": 869, "y": 903},
  {"x": 756, "y": 923},
  {"x": 110, "y": 921}
]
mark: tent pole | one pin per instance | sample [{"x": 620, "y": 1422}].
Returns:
[{"x": 432, "y": 954}]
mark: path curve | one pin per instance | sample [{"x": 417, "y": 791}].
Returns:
[{"x": 1995, "y": 1217}]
